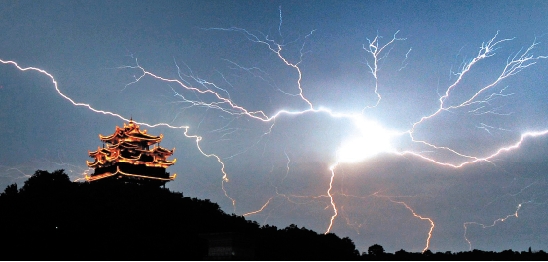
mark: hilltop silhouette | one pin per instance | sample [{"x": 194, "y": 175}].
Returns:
[{"x": 52, "y": 218}]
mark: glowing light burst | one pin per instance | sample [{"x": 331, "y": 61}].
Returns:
[{"x": 370, "y": 139}]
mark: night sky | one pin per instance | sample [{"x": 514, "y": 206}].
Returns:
[{"x": 388, "y": 172}]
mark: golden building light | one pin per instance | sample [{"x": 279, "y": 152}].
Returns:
[{"x": 131, "y": 155}]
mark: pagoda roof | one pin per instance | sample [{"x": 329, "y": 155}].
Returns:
[
  {"x": 129, "y": 149},
  {"x": 157, "y": 150},
  {"x": 111, "y": 155},
  {"x": 119, "y": 172},
  {"x": 163, "y": 151},
  {"x": 130, "y": 133}
]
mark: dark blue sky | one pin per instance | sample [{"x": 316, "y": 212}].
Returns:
[{"x": 92, "y": 49}]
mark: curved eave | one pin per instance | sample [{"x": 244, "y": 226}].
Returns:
[
  {"x": 102, "y": 158},
  {"x": 121, "y": 144},
  {"x": 141, "y": 135},
  {"x": 170, "y": 178},
  {"x": 99, "y": 163},
  {"x": 125, "y": 144},
  {"x": 130, "y": 132},
  {"x": 119, "y": 172},
  {"x": 97, "y": 177},
  {"x": 162, "y": 150},
  {"x": 99, "y": 151},
  {"x": 116, "y": 132},
  {"x": 163, "y": 164},
  {"x": 92, "y": 164},
  {"x": 135, "y": 160},
  {"x": 131, "y": 138}
]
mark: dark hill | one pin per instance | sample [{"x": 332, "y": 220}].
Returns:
[{"x": 52, "y": 218}]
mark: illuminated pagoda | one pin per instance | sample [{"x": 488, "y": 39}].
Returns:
[{"x": 131, "y": 155}]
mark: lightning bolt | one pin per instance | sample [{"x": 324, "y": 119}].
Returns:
[
  {"x": 378, "y": 53},
  {"x": 484, "y": 226},
  {"x": 371, "y": 138},
  {"x": 432, "y": 225},
  {"x": 335, "y": 211},
  {"x": 515, "y": 64},
  {"x": 88, "y": 106},
  {"x": 20, "y": 174}
]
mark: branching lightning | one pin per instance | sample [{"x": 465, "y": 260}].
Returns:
[
  {"x": 514, "y": 65},
  {"x": 370, "y": 140},
  {"x": 378, "y": 53},
  {"x": 484, "y": 226},
  {"x": 185, "y": 128}
]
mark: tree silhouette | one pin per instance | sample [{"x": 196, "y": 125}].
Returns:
[
  {"x": 375, "y": 250},
  {"x": 427, "y": 253},
  {"x": 52, "y": 218},
  {"x": 46, "y": 182},
  {"x": 10, "y": 190}
]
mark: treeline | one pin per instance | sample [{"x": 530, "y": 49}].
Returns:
[
  {"x": 52, "y": 218},
  {"x": 376, "y": 252}
]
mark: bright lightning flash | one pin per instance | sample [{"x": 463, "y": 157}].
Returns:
[{"x": 370, "y": 138}]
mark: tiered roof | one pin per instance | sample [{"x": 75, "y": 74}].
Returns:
[
  {"x": 111, "y": 154},
  {"x": 128, "y": 148},
  {"x": 119, "y": 172},
  {"x": 131, "y": 133}
]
